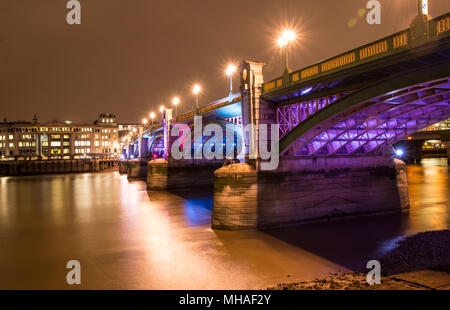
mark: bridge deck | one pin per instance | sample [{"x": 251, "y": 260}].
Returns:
[{"x": 352, "y": 70}]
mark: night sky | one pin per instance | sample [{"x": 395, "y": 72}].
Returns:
[{"x": 130, "y": 56}]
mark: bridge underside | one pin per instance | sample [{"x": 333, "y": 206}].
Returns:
[{"x": 372, "y": 124}]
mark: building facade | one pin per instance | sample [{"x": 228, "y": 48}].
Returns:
[{"x": 60, "y": 139}]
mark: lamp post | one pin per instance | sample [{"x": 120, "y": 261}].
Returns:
[
  {"x": 285, "y": 41},
  {"x": 175, "y": 102},
  {"x": 152, "y": 117},
  {"x": 230, "y": 70},
  {"x": 162, "y": 109},
  {"x": 196, "y": 90}
]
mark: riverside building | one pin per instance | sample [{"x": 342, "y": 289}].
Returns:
[{"x": 59, "y": 139}]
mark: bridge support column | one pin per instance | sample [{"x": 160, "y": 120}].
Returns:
[
  {"x": 123, "y": 167},
  {"x": 447, "y": 146},
  {"x": 166, "y": 175},
  {"x": 136, "y": 169},
  {"x": 310, "y": 189}
]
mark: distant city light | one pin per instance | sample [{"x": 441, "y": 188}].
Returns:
[
  {"x": 144, "y": 121},
  {"x": 175, "y": 101},
  {"x": 161, "y": 109},
  {"x": 152, "y": 115}
]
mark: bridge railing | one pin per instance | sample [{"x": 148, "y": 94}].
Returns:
[
  {"x": 210, "y": 107},
  {"x": 216, "y": 105},
  {"x": 395, "y": 43}
]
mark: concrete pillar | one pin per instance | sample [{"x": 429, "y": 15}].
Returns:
[
  {"x": 168, "y": 174},
  {"x": 137, "y": 169},
  {"x": 157, "y": 174},
  {"x": 123, "y": 167},
  {"x": 96, "y": 165}
]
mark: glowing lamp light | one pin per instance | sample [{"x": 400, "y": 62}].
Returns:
[
  {"x": 152, "y": 115},
  {"x": 289, "y": 35},
  {"x": 306, "y": 91},
  {"x": 399, "y": 152},
  {"x": 144, "y": 121},
  {"x": 175, "y": 101},
  {"x": 196, "y": 90},
  {"x": 282, "y": 42},
  {"x": 230, "y": 70},
  {"x": 161, "y": 109},
  {"x": 132, "y": 156}
]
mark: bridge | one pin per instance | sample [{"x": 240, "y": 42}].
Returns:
[
  {"x": 335, "y": 123},
  {"x": 413, "y": 145}
]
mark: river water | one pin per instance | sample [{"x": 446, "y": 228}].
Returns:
[{"x": 128, "y": 238}]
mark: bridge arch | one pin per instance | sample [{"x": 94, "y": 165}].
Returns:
[
  {"x": 235, "y": 138},
  {"x": 374, "y": 117},
  {"x": 156, "y": 145}
]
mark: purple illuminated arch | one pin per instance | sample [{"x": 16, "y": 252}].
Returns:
[{"x": 374, "y": 123}]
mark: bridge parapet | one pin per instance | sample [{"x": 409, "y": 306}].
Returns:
[{"x": 439, "y": 28}]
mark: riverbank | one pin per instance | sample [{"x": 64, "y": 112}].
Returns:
[
  {"x": 42, "y": 167},
  {"x": 418, "y": 280},
  {"x": 421, "y": 261}
]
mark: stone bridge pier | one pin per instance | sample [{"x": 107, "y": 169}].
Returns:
[
  {"x": 301, "y": 189},
  {"x": 170, "y": 174},
  {"x": 308, "y": 189},
  {"x": 447, "y": 146}
]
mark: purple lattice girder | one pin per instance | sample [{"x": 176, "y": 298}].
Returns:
[{"x": 376, "y": 123}]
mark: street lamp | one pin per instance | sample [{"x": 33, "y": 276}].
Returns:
[
  {"x": 175, "y": 102},
  {"x": 196, "y": 90},
  {"x": 285, "y": 41},
  {"x": 162, "y": 109},
  {"x": 230, "y": 70},
  {"x": 152, "y": 116},
  {"x": 144, "y": 121}
]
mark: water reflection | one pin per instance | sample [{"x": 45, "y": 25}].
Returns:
[{"x": 128, "y": 238}]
